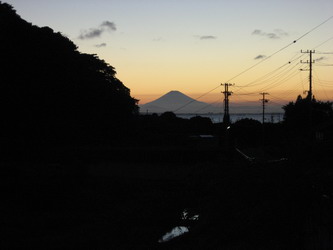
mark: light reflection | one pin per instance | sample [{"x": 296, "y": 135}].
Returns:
[
  {"x": 175, "y": 232},
  {"x": 180, "y": 230}
]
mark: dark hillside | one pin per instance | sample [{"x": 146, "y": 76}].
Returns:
[{"x": 50, "y": 93}]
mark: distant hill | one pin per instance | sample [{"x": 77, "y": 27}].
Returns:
[{"x": 177, "y": 102}]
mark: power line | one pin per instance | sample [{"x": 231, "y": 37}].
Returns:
[
  {"x": 186, "y": 104},
  {"x": 263, "y": 60},
  {"x": 318, "y": 80},
  {"x": 264, "y": 79},
  {"x": 329, "y": 39},
  {"x": 208, "y": 105},
  {"x": 324, "y": 64},
  {"x": 283, "y": 48},
  {"x": 283, "y": 79},
  {"x": 314, "y": 28}
]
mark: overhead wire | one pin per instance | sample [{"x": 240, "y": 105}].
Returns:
[
  {"x": 258, "y": 63},
  {"x": 288, "y": 75},
  {"x": 283, "y": 48},
  {"x": 208, "y": 105},
  {"x": 298, "y": 58},
  {"x": 183, "y": 106},
  {"x": 320, "y": 85},
  {"x": 324, "y": 53},
  {"x": 263, "y": 78},
  {"x": 329, "y": 39}
]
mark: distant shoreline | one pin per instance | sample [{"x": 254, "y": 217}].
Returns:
[
  {"x": 212, "y": 113},
  {"x": 273, "y": 117}
]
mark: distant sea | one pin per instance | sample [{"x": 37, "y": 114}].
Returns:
[{"x": 216, "y": 118}]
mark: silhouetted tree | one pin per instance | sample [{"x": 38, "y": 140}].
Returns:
[
  {"x": 168, "y": 116},
  {"x": 302, "y": 118},
  {"x": 305, "y": 113},
  {"x": 52, "y": 93}
]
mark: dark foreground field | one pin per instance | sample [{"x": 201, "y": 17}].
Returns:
[{"x": 94, "y": 203}]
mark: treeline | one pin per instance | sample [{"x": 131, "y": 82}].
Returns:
[{"x": 167, "y": 128}]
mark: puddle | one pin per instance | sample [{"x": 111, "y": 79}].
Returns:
[
  {"x": 175, "y": 232},
  {"x": 180, "y": 230}
]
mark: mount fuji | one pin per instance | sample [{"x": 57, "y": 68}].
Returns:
[{"x": 178, "y": 102}]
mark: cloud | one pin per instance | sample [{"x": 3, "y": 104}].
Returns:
[
  {"x": 260, "y": 57},
  {"x": 97, "y": 32},
  {"x": 281, "y": 32},
  {"x": 100, "y": 45},
  {"x": 272, "y": 36},
  {"x": 207, "y": 37},
  {"x": 109, "y": 25},
  {"x": 321, "y": 59},
  {"x": 257, "y": 32},
  {"x": 91, "y": 33},
  {"x": 277, "y": 34}
]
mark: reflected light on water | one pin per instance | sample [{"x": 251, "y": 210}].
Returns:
[
  {"x": 175, "y": 232},
  {"x": 180, "y": 230}
]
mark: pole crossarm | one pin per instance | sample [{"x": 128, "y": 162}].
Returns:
[
  {"x": 264, "y": 101},
  {"x": 310, "y": 62},
  {"x": 227, "y": 93}
]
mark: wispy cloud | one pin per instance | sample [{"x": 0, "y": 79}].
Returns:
[
  {"x": 101, "y": 45},
  {"x": 91, "y": 33},
  {"x": 109, "y": 25},
  {"x": 276, "y": 34},
  {"x": 281, "y": 32},
  {"x": 321, "y": 59},
  {"x": 98, "y": 31},
  {"x": 258, "y": 57},
  {"x": 207, "y": 37}
]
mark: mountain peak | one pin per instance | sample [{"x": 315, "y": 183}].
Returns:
[
  {"x": 172, "y": 101},
  {"x": 174, "y": 92},
  {"x": 175, "y": 97}
]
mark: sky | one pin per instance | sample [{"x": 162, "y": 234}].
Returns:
[{"x": 195, "y": 45}]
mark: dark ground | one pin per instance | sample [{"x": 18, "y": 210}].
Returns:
[{"x": 102, "y": 202}]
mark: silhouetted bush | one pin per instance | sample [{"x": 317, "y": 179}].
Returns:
[
  {"x": 201, "y": 125},
  {"x": 247, "y": 132}
]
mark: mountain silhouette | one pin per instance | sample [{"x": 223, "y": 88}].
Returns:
[{"x": 177, "y": 102}]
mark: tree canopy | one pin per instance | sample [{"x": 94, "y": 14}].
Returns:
[
  {"x": 48, "y": 88},
  {"x": 305, "y": 112}
]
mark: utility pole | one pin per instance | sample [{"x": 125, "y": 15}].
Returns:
[
  {"x": 227, "y": 93},
  {"x": 264, "y": 101},
  {"x": 309, "y": 97}
]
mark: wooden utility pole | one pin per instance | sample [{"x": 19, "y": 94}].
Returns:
[
  {"x": 310, "y": 95},
  {"x": 264, "y": 101},
  {"x": 227, "y": 93}
]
